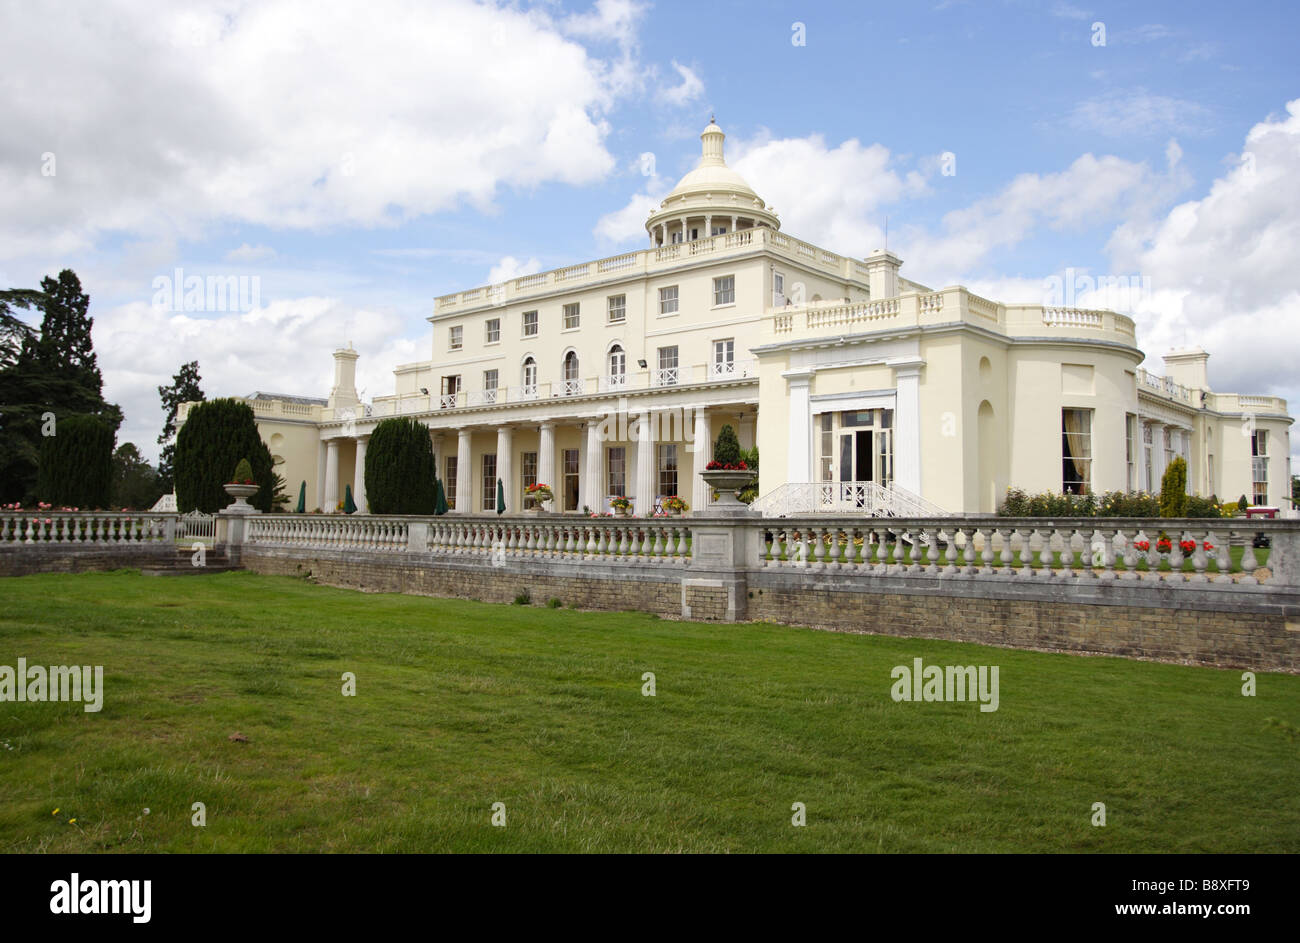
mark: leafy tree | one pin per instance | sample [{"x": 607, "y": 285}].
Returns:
[
  {"x": 1295, "y": 489},
  {"x": 749, "y": 493},
  {"x": 726, "y": 449},
  {"x": 1173, "y": 489},
  {"x": 50, "y": 373},
  {"x": 135, "y": 481},
  {"x": 76, "y": 464},
  {"x": 399, "y": 468},
  {"x": 216, "y": 435},
  {"x": 184, "y": 389}
]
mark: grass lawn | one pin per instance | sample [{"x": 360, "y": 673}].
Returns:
[{"x": 460, "y": 705}]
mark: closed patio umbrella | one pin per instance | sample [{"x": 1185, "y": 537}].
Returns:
[
  {"x": 439, "y": 497},
  {"x": 501, "y": 497},
  {"x": 302, "y": 499},
  {"x": 349, "y": 506}
]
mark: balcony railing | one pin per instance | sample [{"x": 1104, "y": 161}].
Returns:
[
  {"x": 614, "y": 381},
  {"x": 571, "y": 387},
  {"x": 448, "y": 400},
  {"x": 666, "y": 376},
  {"x": 733, "y": 369}
]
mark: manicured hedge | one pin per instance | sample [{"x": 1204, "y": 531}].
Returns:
[
  {"x": 1110, "y": 504},
  {"x": 75, "y": 468},
  {"x": 399, "y": 468},
  {"x": 216, "y": 436}
]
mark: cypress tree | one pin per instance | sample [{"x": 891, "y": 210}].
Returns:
[
  {"x": 184, "y": 389},
  {"x": 216, "y": 435},
  {"x": 399, "y": 468},
  {"x": 76, "y": 463},
  {"x": 1173, "y": 489},
  {"x": 727, "y": 447}
]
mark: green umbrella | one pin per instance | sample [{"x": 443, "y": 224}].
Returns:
[
  {"x": 439, "y": 497},
  {"x": 302, "y": 498},
  {"x": 349, "y": 506},
  {"x": 501, "y": 497}
]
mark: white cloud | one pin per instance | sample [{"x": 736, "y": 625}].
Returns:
[
  {"x": 247, "y": 253},
  {"x": 1068, "y": 12},
  {"x": 1139, "y": 113},
  {"x": 688, "y": 91},
  {"x": 289, "y": 113},
  {"x": 509, "y": 267},
  {"x": 1223, "y": 267}
]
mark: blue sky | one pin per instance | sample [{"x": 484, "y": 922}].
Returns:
[{"x": 362, "y": 162}]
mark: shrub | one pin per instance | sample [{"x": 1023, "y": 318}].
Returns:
[
  {"x": 215, "y": 437},
  {"x": 524, "y": 599},
  {"x": 75, "y": 466},
  {"x": 726, "y": 449},
  {"x": 399, "y": 468},
  {"x": 1242, "y": 504},
  {"x": 553, "y": 603},
  {"x": 243, "y": 473},
  {"x": 1197, "y": 506},
  {"x": 1173, "y": 489}
]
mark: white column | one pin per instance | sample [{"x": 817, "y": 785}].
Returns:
[
  {"x": 645, "y": 466},
  {"x": 546, "y": 462},
  {"x": 359, "y": 475},
  {"x": 907, "y": 428},
  {"x": 708, "y": 225},
  {"x": 593, "y": 488},
  {"x": 799, "y": 456},
  {"x": 685, "y": 231},
  {"x": 506, "y": 467},
  {"x": 435, "y": 443},
  {"x": 464, "y": 471},
  {"x": 320, "y": 475},
  {"x": 703, "y": 449},
  {"x": 1157, "y": 455},
  {"x": 331, "y": 476},
  {"x": 733, "y": 224}
]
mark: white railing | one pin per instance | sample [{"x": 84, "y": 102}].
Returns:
[
  {"x": 482, "y": 398},
  {"x": 196, "y": 525},
  {"x": 447, "y": 400},
  {"x": 521, "y": 394},
  {"x": 571, "y": 388},
  {"x": 734, "y": 369},
  {"x": 615, "y": 381},
  {"x": 1020, "y": 549},
  {"x": 611, "y": 540},
  {"x": 329, "y": 531},
  {"x": 69, "y": 528},
  {"x": 665, "y": 376},
  {"x": 1073, "y": 317},
  {"x": 844, "y": 314},
  {"x": 844, "y": 497},
  {"x": 1164, "y": 386}
]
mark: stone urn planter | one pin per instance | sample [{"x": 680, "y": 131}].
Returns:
[
  {"x": 727, "y": 481},
  {"x": 241, "y": 494}
]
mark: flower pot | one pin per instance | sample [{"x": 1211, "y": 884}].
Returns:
[
  {"x": 622, "y": 512},
  {"x": 241, "y": 494},
  {"x": 727, "y": 481}
]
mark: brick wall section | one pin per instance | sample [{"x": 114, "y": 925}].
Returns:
[
  {"x": 1255, "y": 640},
  {"x": 25, "y": 560},
  {"x": 707, "y": 603},
  {"x": 586, "y": 586}
]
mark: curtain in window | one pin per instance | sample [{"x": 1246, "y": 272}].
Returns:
[{"x": 1078, "y": 443}]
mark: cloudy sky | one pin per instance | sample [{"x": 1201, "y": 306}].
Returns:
[{"x": 360, "y": 159}]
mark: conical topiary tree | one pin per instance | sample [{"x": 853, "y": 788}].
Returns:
[
  {"x": 726, "y": 449},
  {"x": 1173, "y": 489},
  {"x": 399, "y": 468},
  {"x": 216, "y": 435},
  {"x": 75, "y": 467}
]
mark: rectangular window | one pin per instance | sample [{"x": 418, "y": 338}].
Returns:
[
  {"x": 530, "y": 324},
  {"x": 527, "y": 476},
  {"x": 778, "y": 290},
  {"x": 455, "y": 337},
  {"x": 617, "y": 308},
  {"x": 1259, "y": 467},
  {"x": 492, "y": 330},
  {"x": 570, "y": 460},
  {"x": 1076, "y": 451},
  {"x": 827, "y": 457},
  {"x": 490, "y": 482},
  {"x": 449, "y": 480},
  {"x": 724, "y": 290},
  {"x": 616, "y": 464},
  {"x": 449, "y": 394},
  {"x": 719, "y": 230},
  {"x": 490, "y": 384},
  {"x": 1169, "y": 446},
  {"x": 724, "y": 357},
  {"x": 668, "y": 300},
  {"x": 1130, "y": 450},
  {"x": 667, "y": 470},
  {"x": 667, "y": 373},
  {"x": 571, "y": 316}
]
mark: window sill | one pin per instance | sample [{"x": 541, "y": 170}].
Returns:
[
  {"x": 729, "y": 304},
  {"x": 571, "y": 330},
  {"x": 670, "y": 314}
]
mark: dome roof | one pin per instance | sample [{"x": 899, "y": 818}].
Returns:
[{"x": 712, "y": 185}]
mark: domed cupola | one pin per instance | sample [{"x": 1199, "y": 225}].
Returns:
[{"x": 710, "y": 199}]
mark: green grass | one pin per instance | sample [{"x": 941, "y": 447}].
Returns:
[{"x": 460, "y": 705}]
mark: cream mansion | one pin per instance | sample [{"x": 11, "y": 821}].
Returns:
[{"x": 862, "y": 389}]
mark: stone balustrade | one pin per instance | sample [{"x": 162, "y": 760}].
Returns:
[
  {"x": 611, "y": 540},
  {"x": 1197, "y": 552},
  {"x": 70, "y": 528}
]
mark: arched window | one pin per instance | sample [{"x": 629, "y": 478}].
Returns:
[
  {"x": 530, "y": 372},
  {"x": 572, "y": 384},
  {"x": 617, "y": 366}
]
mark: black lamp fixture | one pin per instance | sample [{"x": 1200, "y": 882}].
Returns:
[
  {"x": 641, "y": 364},
  {"x": 424, "y": 390}
]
